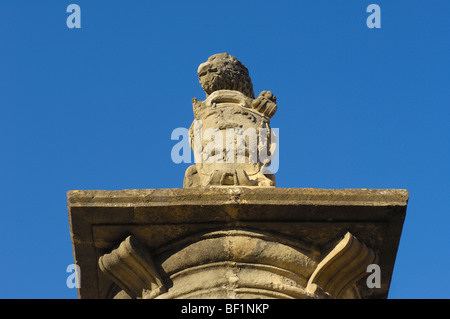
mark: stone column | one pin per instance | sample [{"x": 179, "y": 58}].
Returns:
[
  {"x": 230, "y": 233},
  {"x": 235, "y": 242}
]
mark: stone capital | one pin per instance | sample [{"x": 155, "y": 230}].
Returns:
[{"x": 235, "y": 242}]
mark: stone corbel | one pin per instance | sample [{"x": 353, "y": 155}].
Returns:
[
  {"x": 130, "y": 266},
  {"x": 341, "y": 268}
]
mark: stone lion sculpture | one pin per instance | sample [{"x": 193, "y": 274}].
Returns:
[{"x": 231, "y": 135}]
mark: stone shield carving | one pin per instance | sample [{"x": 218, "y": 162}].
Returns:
[{"x": 231, "y": 136}]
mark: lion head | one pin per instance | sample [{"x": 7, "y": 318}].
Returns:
[{"x": 224, "y": 72}]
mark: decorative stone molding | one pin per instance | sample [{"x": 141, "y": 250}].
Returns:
[
  {"x": 341, "y": 268},
  {"x": 237, "y": 264},
  {"x": 131, "y": 267},
  {"x": 266, "y": 242}
]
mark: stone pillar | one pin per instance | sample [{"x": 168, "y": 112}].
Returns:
[
  {"x": 235, "y": 242},
  {"x": 230, "y": 233}
]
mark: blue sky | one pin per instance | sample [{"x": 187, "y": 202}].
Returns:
[{"x": 94, "y": 108}]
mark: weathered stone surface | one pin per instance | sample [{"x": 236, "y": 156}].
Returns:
[
  {"x": 131, "y": 267},
  {"x": 235, "y": 242},
  {"x": 342, "y": 267},
  {"x": 231, "y": 137}
]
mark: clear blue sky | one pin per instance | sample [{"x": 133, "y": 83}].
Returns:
[{"x": 94, "y": 108}]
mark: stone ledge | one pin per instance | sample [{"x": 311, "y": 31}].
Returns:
[{"x": 241, "y": 195}]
